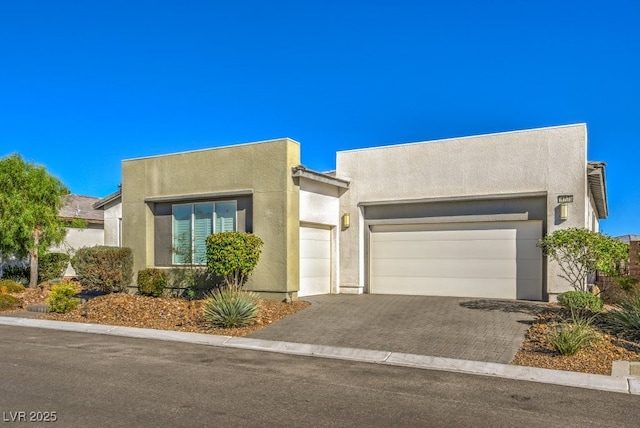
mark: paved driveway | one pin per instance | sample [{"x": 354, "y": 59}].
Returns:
[{"x": 464, "y": 328}]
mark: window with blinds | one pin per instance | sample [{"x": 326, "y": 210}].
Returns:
[{"x": 192, "y": 223}]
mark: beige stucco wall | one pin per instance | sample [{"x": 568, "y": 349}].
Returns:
[
  {"x": 263, "y": 167},
  {"x": 551, "y": 160}
]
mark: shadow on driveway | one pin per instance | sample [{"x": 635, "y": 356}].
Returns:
[{"x": 515, "y": 306}]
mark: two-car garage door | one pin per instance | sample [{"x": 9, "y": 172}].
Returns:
[{"x": 483, "y": 259}]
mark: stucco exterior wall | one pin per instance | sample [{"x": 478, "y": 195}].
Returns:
[
  {"x": 547, "y": 160},
  {"x": 320, "y": 205},
  {"x": 264, "y": 168},
  {"x": 113, "y": 224}
]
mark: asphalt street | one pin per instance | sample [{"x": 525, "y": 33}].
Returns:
[{"x": 98, "y": 380}]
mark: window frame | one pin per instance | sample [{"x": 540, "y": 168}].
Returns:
[{"x": 174, "y": 262}]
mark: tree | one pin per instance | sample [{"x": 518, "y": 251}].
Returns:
[
  {"x": 580, "y": 252},
  {"x": 30, "y": 199},
  {"x": 233, "y": 256}
]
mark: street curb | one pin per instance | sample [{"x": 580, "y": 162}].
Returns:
[{"x": 621, "y": 384}]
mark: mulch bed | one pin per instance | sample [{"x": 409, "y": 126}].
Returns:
[
  {"x": 596, "y": 358},
  {"x": 168, "y": 314}
]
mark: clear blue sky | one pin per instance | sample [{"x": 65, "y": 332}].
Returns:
[{"x": 85, "y": 84}]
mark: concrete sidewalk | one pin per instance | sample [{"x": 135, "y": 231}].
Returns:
[{"x": 451, "y": 327}]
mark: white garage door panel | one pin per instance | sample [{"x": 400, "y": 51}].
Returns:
[
  {"x": 527, "y": 249},
  {"x": 443, "y": 249},
  {"x": 314, "y": 268},
  {"x": 314, "y": 249},
  {"x": 315, "y": 261},
  {"x": 487, "y": 259},
  {"x": 486, "y": 288},
  {"x": 443, "y": 268}
]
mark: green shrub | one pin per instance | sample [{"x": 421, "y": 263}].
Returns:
[
  {"x": 106, "y": 269},
  {"x": 17, "y": 273},
  {"x": 52, "y": 266},
  {"x": 191, "y": 282},
  {"x": 624, "y": 320},
  {"x": 580, "y": 300},
  {"x": 62, "y": 298},
  {"x": 624, "y": 289},
  {"x": 7, "y": 301},
  {"x": 231, "y": 307},
  {"x": 627, "y": 283},
  {"x": 11, "y": 286},
  {"x": 569, "y": 338},
  {"x": 580, "y": 252},
  {"x": 152, "y": 282},
  {"x": 233, "y": 256}
]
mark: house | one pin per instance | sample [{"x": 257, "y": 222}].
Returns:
[
  {"x": 454, "y": 217},
  {"x": 87, "y": 234}
]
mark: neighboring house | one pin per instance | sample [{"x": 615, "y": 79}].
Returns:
[
  {"x": 634, "y": 254},
  {"x": 79, "y": 208},
  {"x": 111, "y": 207},
  {"x": 455, "y": 217},
  {"x": 91, "y": 233}
]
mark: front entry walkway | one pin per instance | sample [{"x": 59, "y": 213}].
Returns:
[{"x": 452, "y": 327}]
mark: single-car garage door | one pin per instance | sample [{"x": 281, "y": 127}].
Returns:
[
  {"x": 483, "y": 259},
  {"x": 315, "y": 261}
]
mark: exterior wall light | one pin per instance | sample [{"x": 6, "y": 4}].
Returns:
[
  {"x": 564, "y": 211},
  {"x": 346, "y": 221}
]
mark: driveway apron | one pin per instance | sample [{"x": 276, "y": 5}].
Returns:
[{"x": 463, "y": 328}]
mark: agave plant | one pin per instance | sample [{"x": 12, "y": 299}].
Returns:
[
  {"x": 231, "y": 307},
  {"x": 624, "y": 320},
  {"x": 569, "y": 337}
]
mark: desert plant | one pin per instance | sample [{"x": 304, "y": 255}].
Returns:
[
  {"x": 152, "y": 282},
  {"x": 17, "y": 273},
  {"x": 105, "y": 269},
  {"x": 62, "y": 298},
  {"x": 7, "y": 301},
  {"x": 52, "y": 266},
  {"x": 581, "y": 252},
  {"x": 622, "y": 289},
  {"x": 580, "y": 300},
  {"x": 624, "y": 320},
  {"x": 571, "y": 336},
  {"x": 10, "y": 286},
  {"x": 233, "y": 256},
  {"x": 231, "y": 307}
]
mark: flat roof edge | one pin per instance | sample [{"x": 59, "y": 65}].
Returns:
[
  {"x": 465, "y": 137},
  {"x": 212, "y": 148}
]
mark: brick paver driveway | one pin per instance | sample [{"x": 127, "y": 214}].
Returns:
[{"x": 464, "y": 328}]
